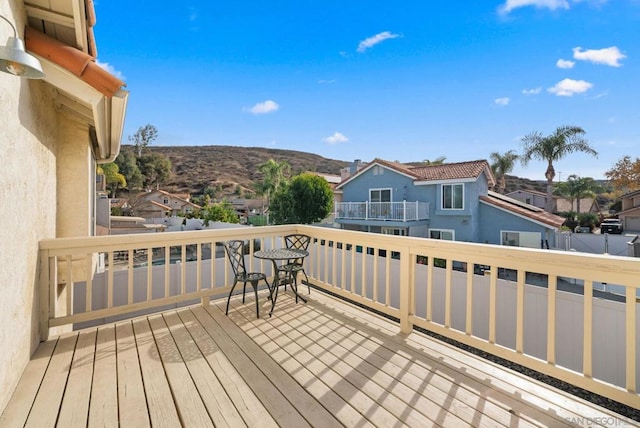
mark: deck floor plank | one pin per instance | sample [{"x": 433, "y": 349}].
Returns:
[
  {"x": 219, "y": 405},
  {"x": 307, "y": 405},
  {"x": 103, "y": 410},
  {"x": 17, "y": 411},
  {"x": 435, "y": 382},
  {"x": 251, "y": 410},
  {"x": 191, "y": 409},
  {"x": 303, "y": 369},
  {"x": 132, "y": 403},
  {"x": 47, "y": 403},
  {"x": 534, "y": 400},
  {"x": 323, "y": 363},
  {"x": 75, "y": 405},
  {"x": 160, "y": 402},
  {"x": 408, "y": 396},
  {"x": 251, "y": 370}
]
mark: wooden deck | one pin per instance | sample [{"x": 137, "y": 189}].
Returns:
[{"x": 325, "y": 363}]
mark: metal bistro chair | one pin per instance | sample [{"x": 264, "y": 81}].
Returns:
[
  {"x": 235, "y": 251},
  {"x": 293, "y": 266}
]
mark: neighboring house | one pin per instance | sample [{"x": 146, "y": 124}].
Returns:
[
  {"x": 159, "y": 203},
  {"x": 560, "y": 205},
  {"x": 246, "y": 208},
  {"x": 532, "y": 197},
  {"x": 449, "y": 201},
  {"x": 587, "y": 205},
  {"x": 630, "y": 214},
  {"x": 54, "y": 132}
]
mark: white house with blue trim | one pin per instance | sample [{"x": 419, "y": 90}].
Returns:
[{"x": 451, "y": 201}]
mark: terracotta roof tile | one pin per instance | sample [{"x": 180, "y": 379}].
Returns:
[
  {"x": 454, "y": 171},
  {"x": 74, "y": 60}
]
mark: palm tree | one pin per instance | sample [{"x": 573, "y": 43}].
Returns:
[
  {"x": 552, "y": 148},
  {"x": 502, "y": 164},
  {"x": 584, "y": 187}
]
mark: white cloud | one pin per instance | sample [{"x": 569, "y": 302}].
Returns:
[
  {"x": 193, "y": 14},
  {"x": 565, "y": 63},
  {"x": 108, "y": 67},
  {"x": 502, "y": 101},
  {"x": 608, "y": 56},
  {"x": 533, "y": 91},
  {"x": 370, "y": 42},
  {"x": 263, "y": 107},
  {"x": 336, "y": 138},
  {"x": 569, "y": 87},
  {"x": 324, "y": 81},
  {"x": 510, "y": 5}
]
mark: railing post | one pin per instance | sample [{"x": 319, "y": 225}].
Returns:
[
  {"x": 406, "y": 287},
  {"x": 366, "y": 210},
  {"x": 45, "y": 289},
  {"x": 404, "y": 210}
]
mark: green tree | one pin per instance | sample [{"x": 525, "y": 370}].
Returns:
[
  {"x": 306, "y": 199},
  {"x": 222, "y": 211},
  {"x": 274, "y": 175},
  {"x": 113, "y": 178},
  {"x": 155, "y": 168},
  {"x": 625, "y": 175},
  {"x": 501, "y": 165},
  {"x": 143, "y": 137},
  {"x": 552, "y": 148},
  {"x": 577, "y": 188},
  {"x": 128, "y": 166}
]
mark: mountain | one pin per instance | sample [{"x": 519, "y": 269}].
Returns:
[{"x": 235, "y": 169}]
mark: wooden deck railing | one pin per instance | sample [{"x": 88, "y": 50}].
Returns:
[{"x": 541, "y": 309}]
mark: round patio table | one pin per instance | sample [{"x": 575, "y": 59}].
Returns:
[{"x": 277, "y": 255}]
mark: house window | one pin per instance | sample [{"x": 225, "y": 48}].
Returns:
[
  {"x": 396, "y": 231},
  {"x": 380, "y": 195},
  {"x": 165, "y": 201},
  {"x": 452, "y": 196},
  {"x": 444, "y": 234},
  {"x": 521, "y": 239}
]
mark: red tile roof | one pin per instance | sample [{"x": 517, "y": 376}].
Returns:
[{"x": 454, "y": 171}]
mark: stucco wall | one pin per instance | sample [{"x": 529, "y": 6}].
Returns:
[
  {"x": 495, "y": 220},
  {"x": 28, "y": 128},
  {"x": 75, "y": 175}
]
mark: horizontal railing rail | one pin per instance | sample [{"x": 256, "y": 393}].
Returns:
[
  {"x": 545, "y": 310},
  {"x": 395, "y": 211}
]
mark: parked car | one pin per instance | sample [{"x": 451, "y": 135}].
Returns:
[{"x": 611, "y": 225}]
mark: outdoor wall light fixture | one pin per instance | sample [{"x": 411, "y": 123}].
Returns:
[{"x": 15, "y": 60}]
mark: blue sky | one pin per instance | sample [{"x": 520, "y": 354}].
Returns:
[{"x": 406, "y": 81}]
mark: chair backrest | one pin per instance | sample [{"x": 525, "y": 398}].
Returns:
[
  {"x": 299, "y": 242},
  {"x": 235, "y": 251}
]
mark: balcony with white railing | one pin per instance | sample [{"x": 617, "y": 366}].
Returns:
[
  {"x": 543, "y": 310},
  {"x": 387, "y": 211}
]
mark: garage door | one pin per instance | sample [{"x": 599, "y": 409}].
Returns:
[{"x": 632, "y": 223}]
